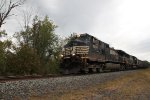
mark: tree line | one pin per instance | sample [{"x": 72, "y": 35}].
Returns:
[{"x": 37, "y": 49}]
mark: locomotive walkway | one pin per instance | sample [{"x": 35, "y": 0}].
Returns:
[{"x": 85, "y": 87}]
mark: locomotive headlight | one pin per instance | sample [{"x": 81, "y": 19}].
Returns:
[
  {"x": 61, "y": 55},
  {"x": 73, "y": 54}
]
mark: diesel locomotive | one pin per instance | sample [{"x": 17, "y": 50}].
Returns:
[{"x": 86, "y": 53}]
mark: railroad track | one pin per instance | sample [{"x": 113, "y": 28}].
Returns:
[
  {"x": 30, "y": 77},
  {"x": 18, "y": 78}
]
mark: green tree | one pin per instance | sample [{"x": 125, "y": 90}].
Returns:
[
  {"x": 146, "y": 63},
  {"x": 6, "y": 7},
  {"x": 4, "y": 47},
  {"x": 25, "y": 61},
  {"x": 41, "y": 37},
  {"x": 71, "y": 38},
  {"x": 2, "y": 58}
]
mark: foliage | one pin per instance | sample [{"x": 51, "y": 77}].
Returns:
[
  {"x": 41, "y": 38},
  {"x": 2, "y": 58},
  {"x": 71, "y": 38},
  {"x": 4, "y": 46},
  {"x": 25, "y": 61},
  {"x": 2, "y": 33},
  {"x": 6, "y": 7},
  {"x": 146, "y": 63}
]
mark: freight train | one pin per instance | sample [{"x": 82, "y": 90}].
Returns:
[{"x": 85, "y": 53}]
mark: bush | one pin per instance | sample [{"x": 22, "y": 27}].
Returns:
[{"x": 24, "y": 62}]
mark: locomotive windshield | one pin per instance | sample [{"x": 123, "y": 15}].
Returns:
[
  {"x": 76, "y": 46},
  {"x": 75, "y": 43}
]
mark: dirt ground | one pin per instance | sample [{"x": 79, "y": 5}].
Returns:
[{"x": 134, "y": 86}]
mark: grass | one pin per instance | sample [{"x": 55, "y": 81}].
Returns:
[{"x": 129, "y": 87}]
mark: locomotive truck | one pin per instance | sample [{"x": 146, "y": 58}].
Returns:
[{"x": 86, "y": 53}]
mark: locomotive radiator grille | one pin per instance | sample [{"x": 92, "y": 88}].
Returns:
[
  {"x": 81, "y": 49},
  {"x": 67, "y": 51},
  {"x": 76, "y": 50}
]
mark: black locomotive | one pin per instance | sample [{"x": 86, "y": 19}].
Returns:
[{"x": 86, "y": 53}]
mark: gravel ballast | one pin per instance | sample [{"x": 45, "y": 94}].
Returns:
[{"x": 23, "y": 89}]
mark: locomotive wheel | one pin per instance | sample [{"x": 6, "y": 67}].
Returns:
[
  {"x": 122, "y": 68},
  {"x": 98, "y": 70},
  {"x": 101, "y": 69},
  {"x": 66, "y": 72},
  {"x": 90, "y": 70},
  {"x": 84, "y": 71},
  {"x": 74, "y": 68},
  {"x": 134, "y": 67}
]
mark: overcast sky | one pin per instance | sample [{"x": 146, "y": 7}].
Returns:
[{"x": 124, "y": 24}]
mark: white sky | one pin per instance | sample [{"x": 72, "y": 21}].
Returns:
[{"x": 124, "y": 24}]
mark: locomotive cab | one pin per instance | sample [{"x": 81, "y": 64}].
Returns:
[
  {"x": 74, "y": 56},
  {"x": 75, "y": 47}
]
